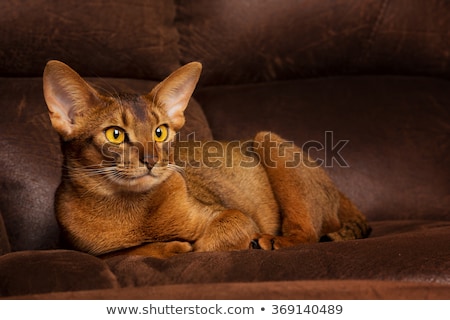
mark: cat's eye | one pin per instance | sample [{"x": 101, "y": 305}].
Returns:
[
  {"x": 115, "y": 135},
  {"x": 161, "y": 133}
]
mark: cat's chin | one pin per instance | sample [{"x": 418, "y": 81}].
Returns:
[{"x": 142, "y": 183}]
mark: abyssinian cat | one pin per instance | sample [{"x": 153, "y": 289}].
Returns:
[{"x": 127, "y": 188}]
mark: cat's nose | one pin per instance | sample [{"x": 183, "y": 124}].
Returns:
[{"x": 150, "y": 161}]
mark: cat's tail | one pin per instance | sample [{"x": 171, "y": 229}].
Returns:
[{"x": 353, "y": 223}]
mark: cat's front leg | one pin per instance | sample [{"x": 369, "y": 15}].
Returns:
[
  {"x": 229, "y": 230},
  {"x": 160, "y": 250},
  {"x": 271, "y": 242}
]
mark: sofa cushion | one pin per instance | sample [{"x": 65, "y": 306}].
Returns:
[
  {"x": 267, "y": 290},
  {"x": 397, "y": 250},
  {"x": 384, "y": 140},
  {"x": 31, "y": 162},
  {"x": 33, "y": 272},
  {"x": 101, "y": 37},
  {"x": 401, "y": 260},
  {"x": 252, "y": 41}
]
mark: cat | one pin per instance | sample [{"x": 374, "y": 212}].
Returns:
[{"x": 127, "y": 188}]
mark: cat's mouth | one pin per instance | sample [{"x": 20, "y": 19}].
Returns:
[
  {"x": 130, "y": 175},
  {"x": 139, "y": 179}
]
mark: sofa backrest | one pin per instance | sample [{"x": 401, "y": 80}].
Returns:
[
  {"x": 242, "y": 41},
  {"x": 238, "y": 41},
  {"x": 135, "y": 39}
]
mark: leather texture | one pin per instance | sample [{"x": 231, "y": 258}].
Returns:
[
  {"x": 135, "y": 39},
  {"x": 252, "y": 41},
  {"x": 363, "y": 85}
]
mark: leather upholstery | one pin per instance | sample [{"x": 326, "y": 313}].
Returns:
[{"x": 370, "y": 78}]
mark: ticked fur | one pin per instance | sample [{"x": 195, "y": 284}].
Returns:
[{"x": 128, "y": 188}]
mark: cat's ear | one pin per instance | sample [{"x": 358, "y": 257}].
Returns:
[
  {"x": 67, "y": 96},
  {"x": 173, "y": 93}
]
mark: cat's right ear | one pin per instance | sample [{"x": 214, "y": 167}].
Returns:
[{"x": 67, "y": 96}]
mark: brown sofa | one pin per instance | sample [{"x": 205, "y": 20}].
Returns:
[{"x": 363, "y": 85}]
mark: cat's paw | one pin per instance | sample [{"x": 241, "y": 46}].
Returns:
[
  {"x": 230, "y": 230},
  {"x": 264, "y": 242},
  {"x": 271, "y": 242},
  {"x": 176, "y": 247}
]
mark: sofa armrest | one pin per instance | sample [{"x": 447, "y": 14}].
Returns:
[{"x": 44, "y": 271}]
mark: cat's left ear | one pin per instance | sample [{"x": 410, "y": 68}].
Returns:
[{"x": 173, "y": 93}]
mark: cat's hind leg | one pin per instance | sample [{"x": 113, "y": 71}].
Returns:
[
  {"x": 307, "y": 198},
  {"x": 353, "y": 223}
]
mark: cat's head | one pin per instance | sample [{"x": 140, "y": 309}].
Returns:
[{"x": 119, "y": 142}]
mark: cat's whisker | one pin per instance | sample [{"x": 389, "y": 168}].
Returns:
[
  {"x": 104, "y": 164},
  {"x": 88, "y": 171}
]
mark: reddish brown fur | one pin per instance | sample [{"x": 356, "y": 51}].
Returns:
[{"x": 132, "y": 197}]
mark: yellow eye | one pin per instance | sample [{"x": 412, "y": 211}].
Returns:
[
  {"x": 115, "y": 135},
  {"x": 161, "y": 134}
]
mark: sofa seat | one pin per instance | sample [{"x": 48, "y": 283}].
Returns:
[{"x": 401, "y": 260}]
